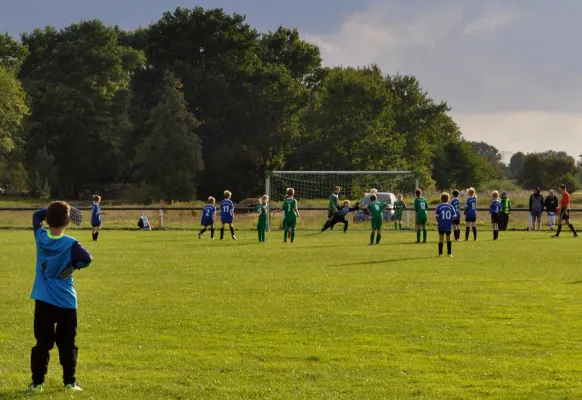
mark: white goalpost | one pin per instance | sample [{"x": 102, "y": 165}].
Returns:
[{"x": 317, "y": 186}]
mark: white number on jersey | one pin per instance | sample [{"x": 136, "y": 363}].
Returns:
[{"x": 446, "y": 214}]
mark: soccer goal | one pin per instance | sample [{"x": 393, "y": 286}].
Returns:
[{"x": 313, "y": 188}]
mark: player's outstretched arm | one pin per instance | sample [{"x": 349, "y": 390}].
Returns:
[{"x": 37, "y": 218}]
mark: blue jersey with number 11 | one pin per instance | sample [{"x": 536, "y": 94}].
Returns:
[
  {"x": 226, "y": 211},
  {"x": 471, "y": 207},
  {"x": 446, "y": 214}
]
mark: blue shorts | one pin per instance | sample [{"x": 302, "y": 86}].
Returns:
[{"x": 207, "y": 222}]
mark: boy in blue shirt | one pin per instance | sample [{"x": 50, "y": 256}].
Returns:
[
  {"x": 227, "y": 214},
  {"x": 208, "y": 218},
  {"x": 96, "y": 217},
  {"x": 57, "y": 257},
  {"x": 494, "y": 210},
  {"x": 456, "y": 203},
  {"x": 471, "y": 213},
  {"x": 445, "y": 214}
]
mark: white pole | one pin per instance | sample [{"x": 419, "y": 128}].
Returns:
[
  {"x": 407, "y": 220},
  {"x": 268, "y": 193},
  {"x": 161, "y": 218}
]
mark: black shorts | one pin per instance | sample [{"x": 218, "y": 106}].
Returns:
[
  {"x": 494, "y": 218},
  {"x": 456, "y": 222},
  {"x": 565, "y": 215},
  {"x": 470, "y": 219},
  {"x": 444, "y": 232},
  {"x": 95, "y": 225}
]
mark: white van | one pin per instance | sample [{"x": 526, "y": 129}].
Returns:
[{"x": 384, "y": 197}]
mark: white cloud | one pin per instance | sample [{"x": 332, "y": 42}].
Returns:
[
  {"x": 491, "y": 22},
  {"x": 527, "y": 131},
  {"x": 509, "y": 69}
]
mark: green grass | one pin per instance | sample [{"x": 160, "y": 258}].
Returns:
[{"x": 163, "y": 315}]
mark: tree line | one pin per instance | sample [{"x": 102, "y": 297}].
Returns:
[{"x": 200, "y": 101}]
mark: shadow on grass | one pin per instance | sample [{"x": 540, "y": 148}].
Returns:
[
  {"x": 394, "y": 260},
  {"x": 576, "y": 283}
]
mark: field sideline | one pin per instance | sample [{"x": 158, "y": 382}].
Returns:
[{"x": 163, "y": 315}]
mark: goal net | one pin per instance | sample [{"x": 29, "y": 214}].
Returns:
[{"x": 313, "y": 189}]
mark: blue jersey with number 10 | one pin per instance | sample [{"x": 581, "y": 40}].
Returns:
[
  {"x": 226, "y": 211},
  {"x": 471, "y": 207},
  {"x": 446, "y": 214}
]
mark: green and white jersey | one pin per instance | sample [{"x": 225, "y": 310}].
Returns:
[
  {"x": 333, "y": 202},
  {"x": 289, "y": 207},
  {"x": 262, "y": 210},
  {"x": 377, "y": 209},
  {"x": 421, "y": 206}
]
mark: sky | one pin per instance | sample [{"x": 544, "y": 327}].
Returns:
[{"x": 511, "y": 70}]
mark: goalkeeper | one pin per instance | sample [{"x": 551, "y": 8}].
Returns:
[{"x": 339, "y": 216}]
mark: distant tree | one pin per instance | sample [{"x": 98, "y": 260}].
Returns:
[
  {"x": 170, "y": 158},
  {"x": 548, "y": 170},
  {"x": 516, "y": 164},
  {"x": 457, "y": 165},
  {"x": 13, "y": 109},
  {"x": 486, "y": 150}
]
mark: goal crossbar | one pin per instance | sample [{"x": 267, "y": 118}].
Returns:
[{"x": 344, "y": 172}]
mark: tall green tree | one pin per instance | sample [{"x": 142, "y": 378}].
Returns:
[
  {"x": 422, "y": 122},
  {"x": 349, "y": 125},
  {"x": 247, "y": 90},
  {"x": 13, "y": 109},
  {"x": 12, "y": 53},
  {"x": 170, "y": 160},
  {"x": 78, "y": 79}
]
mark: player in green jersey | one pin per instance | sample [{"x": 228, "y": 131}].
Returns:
[
  {"x": 290, "y": 215},
  {"x": 399, "y": 207},
  {"x": 420, "y": 209},
  {"x": 376, "y": 208},
  {"x": 262, "y": 223},
  {"x": 333, "y": 202}
]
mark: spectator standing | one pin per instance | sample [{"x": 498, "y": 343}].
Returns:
[
  {"x": 536, "y": 208},
  {"x": 505, "y": 211},
  {"x": 551, "y": 204}
]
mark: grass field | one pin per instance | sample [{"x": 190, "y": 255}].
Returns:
[{"x": 163, "y": 315}]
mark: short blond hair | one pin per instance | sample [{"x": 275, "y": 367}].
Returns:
[
  {"x": 445, "y": 197},
  {"x": 211, "y": 200},
  {"x": 227, "y": 194},
  {"x": 374, "y": 191},
  {"x": 290, "y": 192},
  {"x": 471, "y": 191},
  {"x": 346, "y": 203},
  {"x": 265, "y": 198},
  {"x": 337, "y": 188},
  {"x": 495, "y": 194},
  {"x": 400, "y": 197}
]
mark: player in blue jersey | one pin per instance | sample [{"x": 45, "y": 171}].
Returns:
[
  {"x": 471, "y": 213},
  {"x": 96, "y": 217},
  {"x": 456, "y": 203},
  {"x": 227, "y": 214},
  {"x": 208, "y": 218},
  {"x": 445, "y": 215},
  {"x": 494, "y": 210},
  {"x": 57, "y": 257}
]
